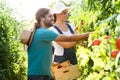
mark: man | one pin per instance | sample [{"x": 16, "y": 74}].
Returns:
[{"x": 40, "y": 49}]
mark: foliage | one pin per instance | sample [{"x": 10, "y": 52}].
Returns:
[
  {"x": 12, "y": 57},
  {"x": 98, "y": 17}
]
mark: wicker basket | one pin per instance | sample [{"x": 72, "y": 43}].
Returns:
[{"x": 65, "y": 71}]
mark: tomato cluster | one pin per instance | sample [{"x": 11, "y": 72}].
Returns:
[{"x": 114, "y": 53}]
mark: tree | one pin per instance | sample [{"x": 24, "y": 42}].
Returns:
[{"x": 12, "y": 57}]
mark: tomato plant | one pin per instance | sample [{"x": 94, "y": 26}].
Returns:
[{"x": 97, "y": 62}]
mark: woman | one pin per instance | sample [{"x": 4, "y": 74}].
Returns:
[{"x": 63, "y": 51}]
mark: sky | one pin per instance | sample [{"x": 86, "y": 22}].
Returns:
[{"x": 28, "y": 8}]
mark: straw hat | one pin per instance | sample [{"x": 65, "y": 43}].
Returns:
[{"x": 59, "y": 7}]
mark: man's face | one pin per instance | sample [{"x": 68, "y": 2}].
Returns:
[{"x": 49, "y": 20}]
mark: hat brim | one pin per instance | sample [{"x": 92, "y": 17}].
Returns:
[{"x": 67, "y": 8}]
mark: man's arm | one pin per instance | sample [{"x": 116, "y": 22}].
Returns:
[{"x": 72, "y": 38}]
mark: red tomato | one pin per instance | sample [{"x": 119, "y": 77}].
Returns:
[
  {"x": 107, "y": 37},
  {"x": 118, "y": 43},
  {"x": 96, "y": 42},
  {"x": 114, "y": 53}
]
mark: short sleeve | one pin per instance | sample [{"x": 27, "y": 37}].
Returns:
[
  {"x": 53, "y": 29},
  {"x": 47, "y": 35}
]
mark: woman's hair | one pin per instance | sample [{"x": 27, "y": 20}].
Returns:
[
  {"x": 42, "y": 12},
  {"x": 54, "y": 15}
]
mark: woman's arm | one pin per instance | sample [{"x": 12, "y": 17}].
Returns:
[{"x": 67, "y": 44}]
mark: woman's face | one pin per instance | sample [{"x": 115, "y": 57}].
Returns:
[{"x": 63, "y": 15}]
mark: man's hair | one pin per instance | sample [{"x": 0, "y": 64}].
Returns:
[{"x": 42, "y": 12}]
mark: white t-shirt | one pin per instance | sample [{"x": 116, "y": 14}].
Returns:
[{"x": 59, "y": 50}]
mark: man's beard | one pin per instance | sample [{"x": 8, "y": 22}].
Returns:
[{"x": 48, "y": 23}]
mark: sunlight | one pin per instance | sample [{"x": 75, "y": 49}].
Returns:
[{"x": 27, "y": 8}]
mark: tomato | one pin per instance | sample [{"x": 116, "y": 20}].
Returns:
[
  {"x": 114, "y": 53},
  {"x": 81, "y": 23},
  {"x": 76, "y": 28},
  {"x": 106, "y": 37},
  {"x": 96, "y": 42},
  {"x": 118, "y": 43}
]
